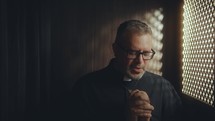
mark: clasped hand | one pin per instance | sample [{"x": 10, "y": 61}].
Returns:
[{"x": 140, "y": 106}]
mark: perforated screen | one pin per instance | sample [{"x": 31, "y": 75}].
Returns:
[
  {"x": 198, "y": 50},
  {"x": 154, "y": 18}
]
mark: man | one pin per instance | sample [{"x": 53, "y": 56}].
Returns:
[{"x": 124, "y": 90}]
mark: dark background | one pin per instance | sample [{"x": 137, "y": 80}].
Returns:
[{"x": 46, "y": 45}]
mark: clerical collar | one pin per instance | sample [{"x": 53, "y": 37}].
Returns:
[{"x": 127, "y": 79}]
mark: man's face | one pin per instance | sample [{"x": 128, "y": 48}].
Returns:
[{"x": 135, "y": 68}]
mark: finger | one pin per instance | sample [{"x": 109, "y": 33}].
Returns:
[
  {"x": 142, "y": 95},
  {"x": 145, "y": 107},
  {"x": 140, "y": 110},
  {"x": 142, "y": 104},
  {"x": 142, "y": 113},
  {"x": 146, "y": 115},
  {"x": 134, "y": 91}
]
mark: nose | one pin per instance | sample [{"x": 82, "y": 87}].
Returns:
[{"x": 140, "y": 59}]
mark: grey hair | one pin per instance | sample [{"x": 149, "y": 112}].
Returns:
[{"x": 132, "y": 26}]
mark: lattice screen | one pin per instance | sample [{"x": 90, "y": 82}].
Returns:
[
  {"x": 154, "y": 19},
  {"x": 199, "y": 50}
]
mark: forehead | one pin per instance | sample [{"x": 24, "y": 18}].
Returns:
[{"x": 137, "y": 41}]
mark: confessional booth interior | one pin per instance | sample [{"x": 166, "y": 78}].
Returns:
[{"x": 46, "y": 45}]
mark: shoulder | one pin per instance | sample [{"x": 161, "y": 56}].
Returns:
[
  {"x": 155, "y": 77},
  {"x": 95, "y": 75},
  {"x": 166, "y": 87},
  {"x": 158, "y": 79}
]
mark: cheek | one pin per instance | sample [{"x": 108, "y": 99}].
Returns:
[{"x": 146, "y": 62}]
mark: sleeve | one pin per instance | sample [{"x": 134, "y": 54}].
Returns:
[{"x": 172, "y": 105}]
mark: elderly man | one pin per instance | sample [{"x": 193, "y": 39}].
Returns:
[{"x": 124, "y": 90}]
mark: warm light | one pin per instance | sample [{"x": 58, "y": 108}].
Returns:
[
  {"x": 154, "y": 19},
  {"x": 198, "y": 50}
]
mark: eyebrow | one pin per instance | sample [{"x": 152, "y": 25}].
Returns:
[
  {"x": 140, "y": 51},
  {"x": 131, "y": 50}
]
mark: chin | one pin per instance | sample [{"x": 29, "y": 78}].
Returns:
[{"x": 135, "y": 76}]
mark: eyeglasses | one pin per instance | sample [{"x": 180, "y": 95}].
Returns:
[{"x": 132, "y": 54}]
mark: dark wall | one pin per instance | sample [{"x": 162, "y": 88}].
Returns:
[{"x": 25, "y": 54}]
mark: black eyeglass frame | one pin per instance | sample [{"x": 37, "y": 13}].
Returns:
[{"x": 137, "y": 53}]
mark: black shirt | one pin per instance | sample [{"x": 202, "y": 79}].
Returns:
[{"x": 102, "y": 96}]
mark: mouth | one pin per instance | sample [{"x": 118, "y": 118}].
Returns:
[{"x": 136, "y": 70}]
